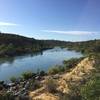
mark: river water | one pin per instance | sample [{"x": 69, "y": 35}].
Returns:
[{"x": 32, "y": 62}]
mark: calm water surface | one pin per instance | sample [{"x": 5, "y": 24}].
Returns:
[{"x": 16, "y": 66}]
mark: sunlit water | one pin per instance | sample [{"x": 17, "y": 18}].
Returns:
[{"x": 43, "y": 61}]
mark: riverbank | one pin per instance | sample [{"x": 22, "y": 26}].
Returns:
[
  {"x": 61, "y": 87},
  {"x": 20, "y": 87},
  {"x": 43, "y": 85},
  {"x": 31, "y": 81}
]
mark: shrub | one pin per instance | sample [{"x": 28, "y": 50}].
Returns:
[
  {"x": 27, "y": 75},
  {"x": 42, "y": 73},
  {"x": 34, "y": 84},
  {"x": 74, "y": 93},
  {"x": 71, "y": 62},
  {"x": 50, "y": 85},
  {"x": 13, "y": 79},
  {"x": 91, "y": 90},
  {"x": 56, "y": 69},
  {"x": 53, "y": 70}
]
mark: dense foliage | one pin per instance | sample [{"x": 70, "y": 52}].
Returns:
[{"x": 86, "y": 47}]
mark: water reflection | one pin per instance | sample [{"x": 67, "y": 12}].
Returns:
[
  {"x": 11, "y": 60},
  {"x": 15, "y": 66}
]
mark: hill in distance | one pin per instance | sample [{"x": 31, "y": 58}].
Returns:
[{"x": 12, "y": 45}]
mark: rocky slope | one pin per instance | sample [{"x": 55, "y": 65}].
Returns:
[{"x": 77, "y": 76}]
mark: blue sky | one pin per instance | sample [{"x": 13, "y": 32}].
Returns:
[{"x": 70, "y": 20}]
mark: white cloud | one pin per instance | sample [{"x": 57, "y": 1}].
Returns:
[
  {"x": 69, "y": 32},
  {"x": 7, "y": 24}
]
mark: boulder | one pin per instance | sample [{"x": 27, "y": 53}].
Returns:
[{"x": 11, "y": 84}]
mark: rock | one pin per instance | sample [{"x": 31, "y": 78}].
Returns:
[
  {"x": 1, "y": 82},
  {"x": 22, "y": 90},
  {"x": 17, "y": 82},
  {"x": 56, "y": 76},
  {"x": 11, "y": 84},
  {"x": 6, "y": 86},
  {"x": 38, "y": 77},
  {"x": 25, "y": 93},
  {"x": 17, "y": 93},
  {"x": 11, "y": 89},
  {"x": 8, "y": 91},
  {"x": 26, "y": 85},
  {"x": 1, "y": 87},
  {"x": 23, "y": 83},
  {"x": 14, "y": 88}
]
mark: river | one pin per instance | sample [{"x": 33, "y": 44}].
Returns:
[{"x": 32, "y": 62}]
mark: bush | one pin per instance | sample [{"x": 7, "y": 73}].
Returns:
[
  {"x": 56, "y": 69},
  {"x": 42, "y": 73},
  {"x": 53, "y": 70},
  {"x": 50, "y": 85},
  {"x": 74, "y": 93},
  {"x": 91, "y": 90},
  {"x": 71, "y": 62},
  {"x": 27, "y": 75},
  {"x": 34, "y": 84},
  {"x": 13, "y": 79}
]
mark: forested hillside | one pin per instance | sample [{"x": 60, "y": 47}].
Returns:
[
  {"x": 11, "y": 45},
  {"x": 85, "y": 47}
]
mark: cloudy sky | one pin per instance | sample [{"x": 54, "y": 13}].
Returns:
[{"x": 70, "y": 20}]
